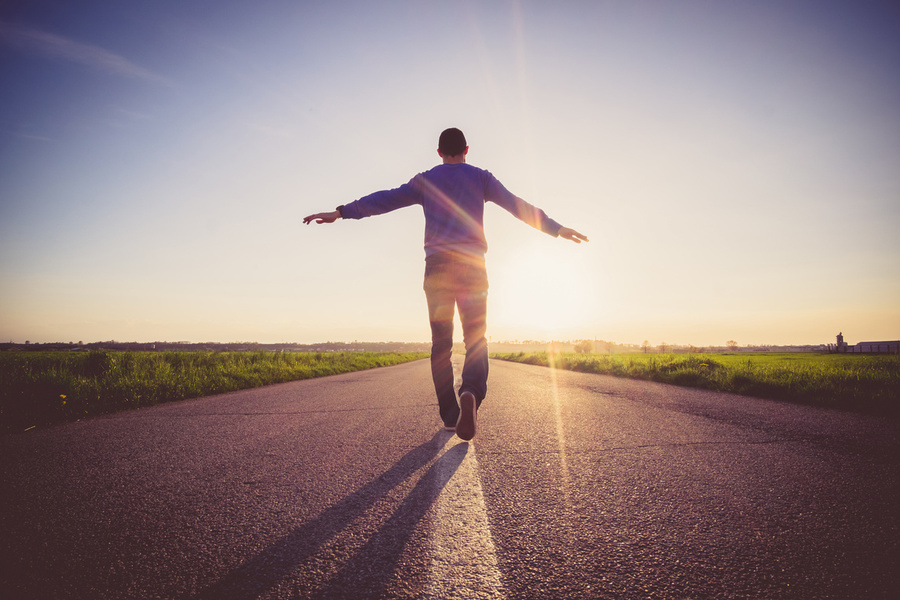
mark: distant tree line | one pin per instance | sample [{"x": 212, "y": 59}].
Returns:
[
  {"x": 224, "y": 347},
  {"x": 594, "y": 346}
]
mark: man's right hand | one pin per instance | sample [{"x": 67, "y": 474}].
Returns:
[
  {"x": 327, "y": 217},
  {"x": 570, "y": 234}
]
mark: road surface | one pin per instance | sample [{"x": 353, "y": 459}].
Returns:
[{"x": 577, "y": 486}]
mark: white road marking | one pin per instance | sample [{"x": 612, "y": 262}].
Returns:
[{"x": 464, "y": 563}]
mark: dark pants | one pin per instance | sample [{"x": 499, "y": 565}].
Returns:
[{"x": 452, "y": 282}]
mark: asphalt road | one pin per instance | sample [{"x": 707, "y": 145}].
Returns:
[{"x": 577, "y": 486}]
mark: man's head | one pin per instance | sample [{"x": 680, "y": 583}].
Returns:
[{"x": 452, "y": 143}]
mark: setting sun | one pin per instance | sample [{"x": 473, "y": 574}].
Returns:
[{"x": 542, "y": 291}]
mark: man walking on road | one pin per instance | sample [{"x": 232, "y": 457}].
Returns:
[{"x": 452, "y": 196}]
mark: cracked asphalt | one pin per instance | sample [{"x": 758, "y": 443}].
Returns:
[{"x": 589, "y": 487}]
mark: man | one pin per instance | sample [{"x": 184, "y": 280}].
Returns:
[{"x": 452, "y": 196}]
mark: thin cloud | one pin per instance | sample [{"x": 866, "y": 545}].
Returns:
[
  {"x": 135, "y": 116},
  {"x": 32, "y": 41},
  {"x": 28, "y": 136}
]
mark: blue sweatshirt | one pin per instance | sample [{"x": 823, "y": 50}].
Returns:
[{"x": 453, "y": 197}]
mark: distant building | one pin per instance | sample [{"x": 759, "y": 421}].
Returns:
[
  {"x": 868, "y": 347},
  {"x": 877, "y": 347}
]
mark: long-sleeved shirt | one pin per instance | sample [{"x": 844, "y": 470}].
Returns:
[{"x": 452, "y": 197}]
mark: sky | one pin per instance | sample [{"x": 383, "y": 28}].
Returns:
[{"x": 736, "y": 166}]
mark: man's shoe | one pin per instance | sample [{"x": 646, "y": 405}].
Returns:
[
  {"x": 449, "y": 427},
  {"x": 468, "y": 416}
]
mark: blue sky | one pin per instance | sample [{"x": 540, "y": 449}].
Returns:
[{"x": 735, "y": 164}]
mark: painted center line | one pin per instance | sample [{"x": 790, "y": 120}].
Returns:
[{"x": 463, "y": 563}]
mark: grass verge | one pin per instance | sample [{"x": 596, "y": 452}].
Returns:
[
  {"x": 865, "y": 383},
  {"x": 40, "y": 388}
]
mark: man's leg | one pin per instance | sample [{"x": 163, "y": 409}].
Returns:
[
  {"x": 441, "y": 303},
  {"x": 472, "y": 310},
  {"x": 472, "y": 304}
]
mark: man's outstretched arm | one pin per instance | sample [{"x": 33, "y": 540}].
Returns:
[
  {"x": 371, "y": 205},
  {"x": 570, "y": 234},
  {"x": 326, "y": 217}
]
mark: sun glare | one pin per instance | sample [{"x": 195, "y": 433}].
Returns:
[{"x": 541, "y": 292}]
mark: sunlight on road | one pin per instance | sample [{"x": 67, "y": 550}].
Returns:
[
  {"x": 560, "y": 433},
  {"x": 464, "y": 562}
]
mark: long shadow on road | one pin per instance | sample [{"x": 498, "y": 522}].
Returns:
[{"x": 373, "y": 565}]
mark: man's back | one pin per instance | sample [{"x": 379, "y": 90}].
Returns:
[{"x": 452, "y": 197}]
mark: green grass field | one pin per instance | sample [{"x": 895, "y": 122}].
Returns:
[
  {"x": 867, "y": 383},
  {"x": 39, "y": 388}
]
